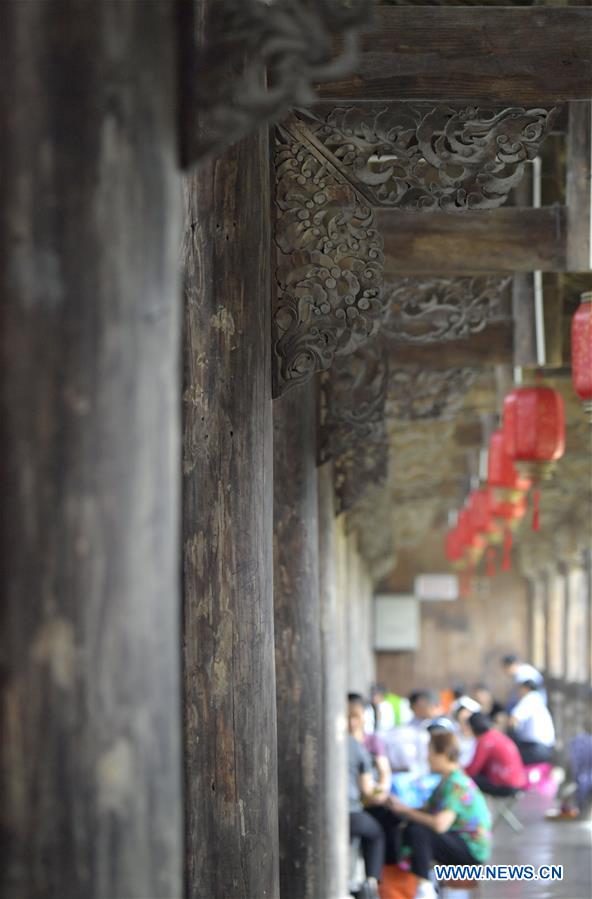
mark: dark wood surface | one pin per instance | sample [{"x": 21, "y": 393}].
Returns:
[
  {"x": 493, "y": 345},
  {"x": 534, "y": 55},
  {"x": 334, "y": 776},
  {"x": 89, "y": 471},
  {"x": 230, "y": 713},
  {"x": 490, "y": 240},
  {"x": 298, "y": 644},
  {"x": 579, "y": 187}
]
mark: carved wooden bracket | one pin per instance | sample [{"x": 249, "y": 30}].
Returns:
[
  {"x": 429, "y": 310},
  {"x": 420, "y": 156},
  {"x": 353, "y": 428},
  {"x": 417, "y": 393},
  {"x": 246, "y": 63},
  {"x": 329, "y": 263},
  {"x": 333, "y": 171}
]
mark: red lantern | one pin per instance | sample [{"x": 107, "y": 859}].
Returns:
[
  {"x": 463, "y": 548},
  {"x": 511, "y": 514},
  {"x": 455, "y": 549},
  {"x": 481, "y": 516},
  {"x": 473, "y": 541},
  {"x": 534, "y": 433},
  {"x": 534, "y": 428},
  {"x": 501, "y": 471},
  {"x": 581, "y": 351}
]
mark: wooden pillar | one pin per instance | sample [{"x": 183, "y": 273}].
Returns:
[
  {"x": 523, "y": 313},
  {"x": 354, "y": 684},
  {"x": 579, "y": 187},
  {"x": 90, "y": 198},
  {"x": 334, "y": 773},
  {"x": 230, "y": 717},
  {"x": 298, "y": 645}
]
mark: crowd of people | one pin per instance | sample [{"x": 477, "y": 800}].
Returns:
[{"x": 458, "y": 748}]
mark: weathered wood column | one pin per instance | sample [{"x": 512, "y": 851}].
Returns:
[
  {"x": 230, "y": 724},
  {"x": 334, "y": 762},
  {"x": 90, "y": 200},
  {"x": 298, "y": 645}
]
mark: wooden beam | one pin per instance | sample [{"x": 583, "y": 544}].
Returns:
[
  {"x": 230, "y": 709},
  {"x": 533, "y": 55},
  {"x": 579, "y": 187},
  {"x": 298, "y": 644},
  {"x": 89, "y": 415},
  {"x": 494, "y": 240},
  {"x": 493, "y": 345}
]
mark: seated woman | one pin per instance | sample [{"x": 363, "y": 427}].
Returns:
[
  {"x": 454, "y": 826},
  {"x": 496, "y": 767},
  {"x": 372, "y": 742},
  {"x": 362, "y": 788}
]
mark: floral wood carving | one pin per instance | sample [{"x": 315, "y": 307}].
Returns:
[
  {"x": 353, "y": 428},
  {"x": 417, "y": 393},
  {"x": 439, "y": 309},
  {"x": 422, "y": 157},
  {"x": 246, "y": 63},
  {"x": 329, "y": 263}
]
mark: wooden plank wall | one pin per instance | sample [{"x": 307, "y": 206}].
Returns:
[{"x": 462, "y": 641}]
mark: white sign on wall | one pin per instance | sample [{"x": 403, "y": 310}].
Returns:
[
  {"x": 396, "y": 622},
  {"x": 441, "y": 587}
]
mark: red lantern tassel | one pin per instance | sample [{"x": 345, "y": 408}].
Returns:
[
  {"x": 507, "y": 550},
  {"x": 490, "y": 571},
  {"x": 536, "y": 510}
]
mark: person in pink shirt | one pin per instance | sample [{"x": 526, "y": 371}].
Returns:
[{"x": 496, "y": 766}]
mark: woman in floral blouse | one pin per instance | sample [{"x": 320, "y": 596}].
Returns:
[{"x": 453, "y": 828}]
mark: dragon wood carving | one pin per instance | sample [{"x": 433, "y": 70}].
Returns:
[
  {"x": 430, "y": 310},
  {"x": 421, "y": 156}
]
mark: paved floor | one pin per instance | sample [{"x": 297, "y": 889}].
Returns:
[{"x": 567, "y": 843}]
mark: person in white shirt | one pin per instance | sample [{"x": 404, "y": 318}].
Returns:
[
  {"x": 531, "y": 725},
  {"x": 521, "y": 672}
]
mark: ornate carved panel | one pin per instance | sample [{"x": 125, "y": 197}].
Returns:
[
  {"x": 438, "y": 309},
  {"x": 353, "y": 430},
  {"x": 329, "y": 264},
  {"x": 261, "y": 59},
  {"x": 417, "y": 393},
  {"x": 420, "y": 156}
]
